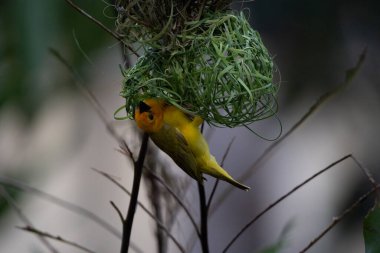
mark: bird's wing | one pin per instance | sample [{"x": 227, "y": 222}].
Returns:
[
  {"x": 172, "y": 142},
  {"x": 190, "y": 117},
  {"x": 181, "y": 138},
  {"x": 194, "y": 119}
]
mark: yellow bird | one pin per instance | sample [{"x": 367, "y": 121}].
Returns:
[{"x": 178, "y": 135}]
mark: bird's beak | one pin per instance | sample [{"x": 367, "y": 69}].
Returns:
[{"x": 144, "y": 107}]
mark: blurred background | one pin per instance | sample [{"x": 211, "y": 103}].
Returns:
[{"x": 51, "y": 136}]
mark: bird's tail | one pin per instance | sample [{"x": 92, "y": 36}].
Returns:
[
  {"x": 218, "y": 172},
  {"x": 236, "y": 183}
]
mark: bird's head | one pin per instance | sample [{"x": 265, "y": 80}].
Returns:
[{"x": 149, "y": 115}]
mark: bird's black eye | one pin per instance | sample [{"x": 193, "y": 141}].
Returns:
[{"x": 150, "y": 116}]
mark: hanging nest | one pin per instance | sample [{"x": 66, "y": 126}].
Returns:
[
  {"x": 156, "y": 23},
  {"x": 215, "y": 66}
]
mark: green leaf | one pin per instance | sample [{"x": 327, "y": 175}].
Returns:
[{"x": 371, "y": 231}]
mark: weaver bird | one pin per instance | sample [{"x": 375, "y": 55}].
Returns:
[{"x": 178, "y": 135}]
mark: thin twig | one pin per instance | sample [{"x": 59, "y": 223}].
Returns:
[
  {"x": 227, "y": 151},
  {"x": 337, "y": 219},
  {"x": 94, "y": 102},
  {"x": 175, "y": 209},
  {"x": 117, "y": 211},
  {"x": 126, "y": 60},
  {"x": 179, "y": 201},
  {"x": 128, "y": 222},
  {"x": 109, "y": 177},
  {"x": 162, "y": 226},
  {"x": 155, "y": 197},
  {"x": 55, "y": 237},
  {"x": 62, "y": 203},
  {"x": 203, "y": 212},
  {"x": 146, "y": 210},
  {"x": 280, "y": 200},
  {"x": 350, "y": 74},
  {"x": 368, "y": 174},
  {"x": 212, "y": 193},
  {"x": 101, "y": 25},
  {"x": 25, "y": 219}
]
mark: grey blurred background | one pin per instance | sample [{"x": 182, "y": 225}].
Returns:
[{"x": 50, "y": 136}]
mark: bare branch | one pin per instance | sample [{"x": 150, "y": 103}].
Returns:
[
  {"x": 337, "y": 219},
  {"x": 280, "y": 200},
  {"x": 94, "y": 102},
  {"x": 212, "y": 193},
  {"x": 138, "y": 167},
  {"x": 179, "y": 201},
  {"x": 62, "y": 203},
  {"x": 368, "y": 174},
  {"x": 146, "y": 210},
  {"x": 101, "y": 25},
  {"x": 25, "y": 219},
  {"x": 155, "y": 195},
  {"x": 227, "y": 151},
  {"x": 117, "y": 211},
  {"x": 204, "y": 222},
  {"x": 109, "y": 177},
  {"x": 203, "y": 212},
  {"x": 125, "y": 151},
  {"x": 55, "y": 237}
]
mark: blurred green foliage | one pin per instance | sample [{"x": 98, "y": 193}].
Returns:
[
  {"x": 371, "y": 230},
  {"x": 4, "y": 205},
  {"x": 29, "y": 74},
  {"x": 27, "y": 29}
]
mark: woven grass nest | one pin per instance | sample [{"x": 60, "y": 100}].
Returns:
[{"x": 211, "y": 64}]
